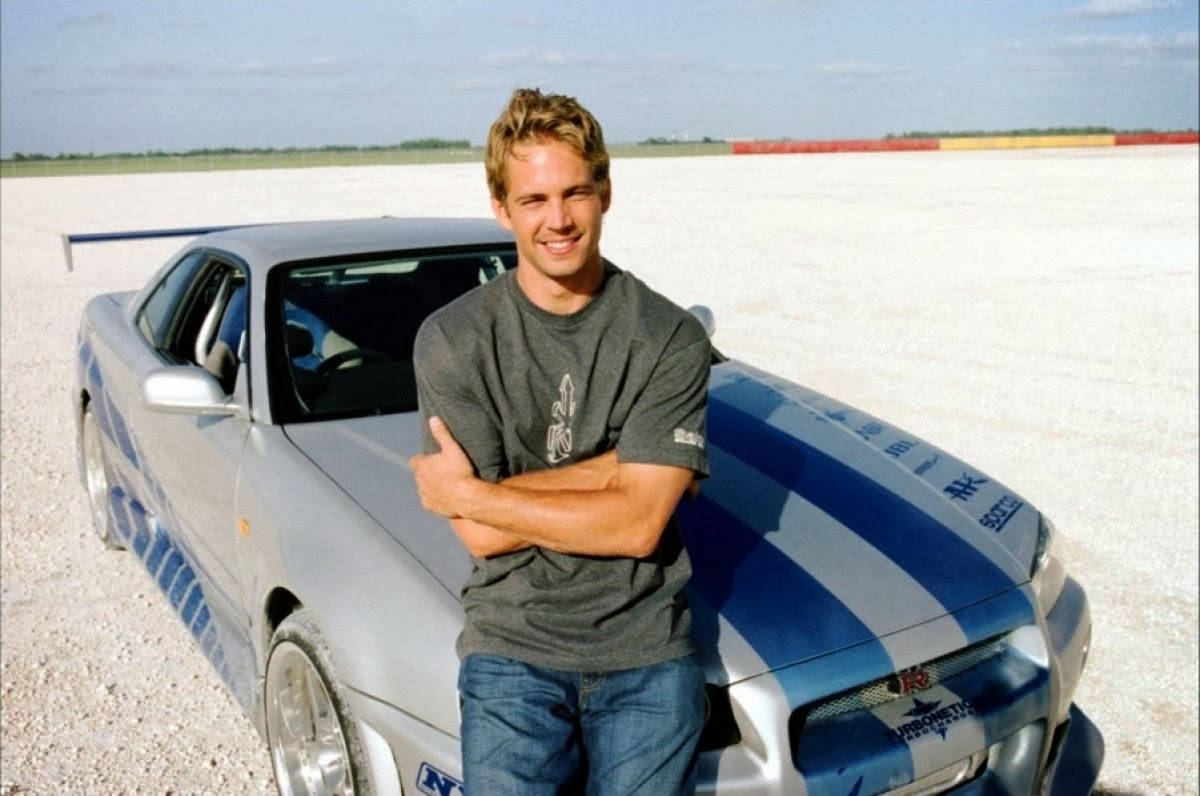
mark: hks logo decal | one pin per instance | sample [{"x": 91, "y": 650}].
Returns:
[
  {"x": 963, "y": 488},
  {"x": 558, "y": 436},
  {"x": 930, "y": 718}
]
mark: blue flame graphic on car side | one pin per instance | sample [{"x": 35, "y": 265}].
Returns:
[{"x": 145, "y": 535}]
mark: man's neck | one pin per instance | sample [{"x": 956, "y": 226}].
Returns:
[{"x": 563, "y": 296}]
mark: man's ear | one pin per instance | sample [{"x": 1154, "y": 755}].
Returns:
[
  {"x": 606, "y": 197},
  {"x": 501, "y": 213}
]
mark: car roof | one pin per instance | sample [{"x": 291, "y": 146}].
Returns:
[{"x": 269, "y": 244}]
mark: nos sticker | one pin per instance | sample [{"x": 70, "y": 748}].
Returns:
[{"x": 437, "y": 783}]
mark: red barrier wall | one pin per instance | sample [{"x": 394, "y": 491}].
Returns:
[
  {"x": 853, "y": 145},
  {"x": 1133, "y": 139}
]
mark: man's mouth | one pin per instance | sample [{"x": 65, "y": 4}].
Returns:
[{"x": 560, "y": 246}]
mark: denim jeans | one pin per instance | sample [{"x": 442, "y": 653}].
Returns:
[{"x": 528, "y": 730}]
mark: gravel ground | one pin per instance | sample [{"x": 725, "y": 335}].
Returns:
[{"x": 1034, "y": 312}]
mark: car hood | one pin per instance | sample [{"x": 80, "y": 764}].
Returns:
[
  {"x": 822, "y": 528},
  {"x": 819, "y": 528}
]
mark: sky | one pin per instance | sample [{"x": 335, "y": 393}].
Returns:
[{"x": 169, "y": 75}]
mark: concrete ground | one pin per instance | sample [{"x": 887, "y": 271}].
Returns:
[{"x": 1034, "y": 312}]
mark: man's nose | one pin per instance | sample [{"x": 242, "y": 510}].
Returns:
[{"x": 560, "y": 214}]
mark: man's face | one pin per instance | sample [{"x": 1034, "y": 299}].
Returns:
[{"x": 554, "y": 209}]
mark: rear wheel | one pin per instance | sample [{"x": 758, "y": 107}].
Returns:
[
  {"x": 96, "y": 478},
  {"x": 314, "y": 743}
]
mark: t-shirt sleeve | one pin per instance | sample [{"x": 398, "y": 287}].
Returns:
[
  {"x": 444, "y": 388},
  {"x": 667, "y": 422}
]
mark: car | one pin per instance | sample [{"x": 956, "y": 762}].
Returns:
[{"x": 873, "y": 614}]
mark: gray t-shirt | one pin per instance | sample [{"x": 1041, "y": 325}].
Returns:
[{"x": 522, "y": 390}]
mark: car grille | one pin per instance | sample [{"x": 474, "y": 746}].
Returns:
[{"x": 884, "y": 690}]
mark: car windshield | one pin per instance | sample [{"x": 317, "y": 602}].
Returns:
[{"x": 341, "y": 333}]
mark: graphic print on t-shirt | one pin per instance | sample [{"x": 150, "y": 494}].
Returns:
[{"x": 558, "y": 436}]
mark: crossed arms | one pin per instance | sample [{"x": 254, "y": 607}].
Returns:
[{"x": 599, "y": 506}]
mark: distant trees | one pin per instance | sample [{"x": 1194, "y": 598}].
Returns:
[
  {"x": 419, "y": 143},
  {"x": 658, "y": 141}
]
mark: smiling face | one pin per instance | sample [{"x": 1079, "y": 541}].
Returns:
[{"x": 554, "y": 208}]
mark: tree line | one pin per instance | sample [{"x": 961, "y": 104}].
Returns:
[{"x": 418, "y": 143}]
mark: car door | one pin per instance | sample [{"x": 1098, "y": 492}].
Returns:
[{"x": 191, "y": 461}]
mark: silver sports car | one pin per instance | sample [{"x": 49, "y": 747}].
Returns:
[{"x": 875, "y": 616}]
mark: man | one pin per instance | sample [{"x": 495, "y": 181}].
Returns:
[{"x": 564, "y": 411}]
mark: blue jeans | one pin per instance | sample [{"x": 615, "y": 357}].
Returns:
[{"x": 528, "y": 730}]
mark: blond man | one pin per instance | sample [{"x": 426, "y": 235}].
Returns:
[{"x": 564, "y": 408}]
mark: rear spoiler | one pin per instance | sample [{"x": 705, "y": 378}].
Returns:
[{"x": 99, "y": 237}]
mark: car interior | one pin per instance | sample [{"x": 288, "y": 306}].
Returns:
[{"x": 349, "y": 328}]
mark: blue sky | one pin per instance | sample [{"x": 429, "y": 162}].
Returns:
[{"x": 171, "y": 75}]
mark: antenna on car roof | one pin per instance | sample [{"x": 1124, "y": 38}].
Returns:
[{"x": 103, "y": 237}]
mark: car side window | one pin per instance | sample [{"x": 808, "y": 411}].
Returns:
[
  {"x": 208, "y": 325},
  {"x": 154, "y": 319}
]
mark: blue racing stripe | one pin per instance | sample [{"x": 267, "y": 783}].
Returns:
[
  {"x": 952, "y": 570},
  {"x": 781, "y": 610},
  {"x": 996, "y": 616}
]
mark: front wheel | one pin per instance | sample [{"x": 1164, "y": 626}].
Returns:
[
  {"x": 313, "y": 741},
  {"x": 96, "y": 478}
]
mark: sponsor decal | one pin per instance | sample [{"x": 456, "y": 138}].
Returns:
[
  {"x": 836, "y": 415},
  {"x": 900, "y": 446},
  {"x": 869, "y": 430},
  {"x": 1000, "y": 513},
  {"x": 928, "y": 464},
  {"x": 930, "y": 718},
  {"x": 437, "y": 783},
  {"x": 558, "y": 435},
  {"x": 909, "y": 680},
  {"x": 963, "y": 488},
  {"x": 685, "y": 437}
]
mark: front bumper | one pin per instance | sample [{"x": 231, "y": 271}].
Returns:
[{"x": 1006, "y": 725}]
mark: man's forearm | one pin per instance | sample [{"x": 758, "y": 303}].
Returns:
[
  {"x": 482, "y": 540},
  {"x": 626, "y": 518}
]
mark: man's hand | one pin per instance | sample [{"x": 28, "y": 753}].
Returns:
[
  {"x": 443, "y": 476},
  {"x": 598, "y": 506}
]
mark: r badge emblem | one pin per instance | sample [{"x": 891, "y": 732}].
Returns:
[{"x": 909, "y": 680}]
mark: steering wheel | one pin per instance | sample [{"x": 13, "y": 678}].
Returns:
[{"x": 334, "y": 362}]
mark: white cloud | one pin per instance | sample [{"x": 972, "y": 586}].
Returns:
[
  {"x": 858, "y": 70},
  {"x": 316, "y": 67},
  {"x": 88, "y": 21},
  {"x": 1142, "y": 43},
  {"x": 149, "y": 71},
  {"x": 1120, "y": 8},
  {"x": 526, "y": 21}
]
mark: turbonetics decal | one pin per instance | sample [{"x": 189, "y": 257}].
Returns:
[{"x": 558, "y": 436}]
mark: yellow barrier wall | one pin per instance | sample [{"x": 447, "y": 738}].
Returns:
[{"x": 1026, "y": 141}]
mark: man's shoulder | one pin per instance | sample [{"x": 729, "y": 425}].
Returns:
[
  {"x": 470, "y": 310},
  {"x": 655, "y": 315}
]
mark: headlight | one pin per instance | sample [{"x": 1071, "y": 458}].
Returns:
[{"x": 1047, "y": 573}]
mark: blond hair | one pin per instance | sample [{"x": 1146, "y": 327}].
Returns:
[{"x": 532, "y": 116}]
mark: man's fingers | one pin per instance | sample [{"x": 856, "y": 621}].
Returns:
[{"x": 441, "y": 433}]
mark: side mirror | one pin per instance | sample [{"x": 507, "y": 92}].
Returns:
[
  {"x": 186, "y": 390},
  {"x": 705, "y": 316}
]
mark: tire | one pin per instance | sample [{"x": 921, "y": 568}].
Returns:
[
  {"x": 311, "y": 736},
  {"x": 97, "y": 480}
]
